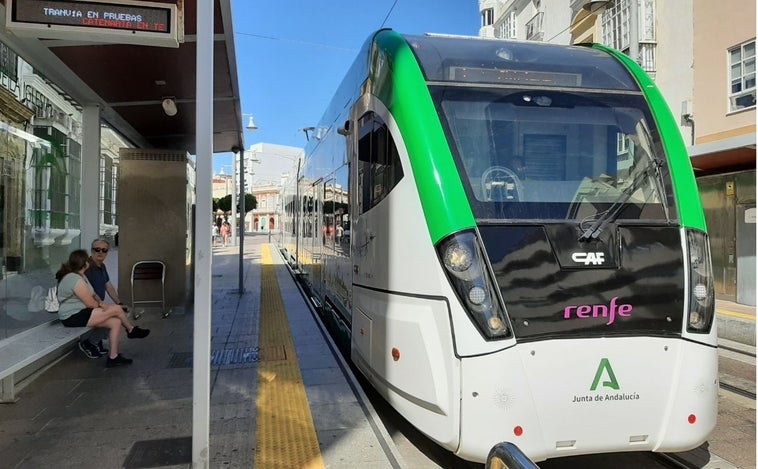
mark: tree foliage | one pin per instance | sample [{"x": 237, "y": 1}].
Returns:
[{"x": 225, "y": 203}]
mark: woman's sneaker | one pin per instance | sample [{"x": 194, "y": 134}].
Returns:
[
  {"x": 118, "y": 361},
  {"x": 103, "y": 351},
  {"x": 138, "y": 333},
  {"x": 89, "y": 349}
]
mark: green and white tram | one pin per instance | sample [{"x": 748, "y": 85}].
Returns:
[{"x": 509, "y": 237}]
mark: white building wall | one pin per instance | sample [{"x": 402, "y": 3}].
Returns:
[
  {"x": 556, "y": 18},
  {"x": 556, "y": 21},
  {"x": 488, "y": 30},
  {"x": 265, "y": 163}
]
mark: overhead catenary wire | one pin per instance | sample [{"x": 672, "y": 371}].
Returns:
[
  {"x": 296, "y": 41},
  {"x": 316, "y": 44},
  {"x": 388, "y": 13}
]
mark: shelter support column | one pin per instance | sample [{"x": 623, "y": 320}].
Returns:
[
  {"x": 89, "y": 206},
  {"x": 201, "y": 350}
]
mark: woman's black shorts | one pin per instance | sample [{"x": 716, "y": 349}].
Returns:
[{"x": 79, "y": 319}]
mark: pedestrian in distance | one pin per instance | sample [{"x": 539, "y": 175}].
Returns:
[
  {"x": 79, "y": 306},
  {"x": 226, "y": 230},
  {"x": 214, "y": 234}
]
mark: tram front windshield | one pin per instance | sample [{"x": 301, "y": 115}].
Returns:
[{"x": 557, "y": 154}]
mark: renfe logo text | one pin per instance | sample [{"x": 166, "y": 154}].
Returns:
[{"x": 594, "y": 311}]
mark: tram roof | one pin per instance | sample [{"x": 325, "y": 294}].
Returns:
[
  {"x": 125, "y": 81},
  {"x": 526, "y": 63}
]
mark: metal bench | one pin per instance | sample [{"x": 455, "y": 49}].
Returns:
[
  {"x": 29, "y": 347},
  {"x": 143, "y": 271}
]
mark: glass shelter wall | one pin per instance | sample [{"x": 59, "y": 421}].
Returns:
[
  {"x": 40, "y": 190},
  {"x": 39, "y": 219}
]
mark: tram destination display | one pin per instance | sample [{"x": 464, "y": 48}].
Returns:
[{"x": 135, "y": 22}]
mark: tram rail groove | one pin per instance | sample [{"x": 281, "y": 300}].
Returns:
[
  {"x": 736, "y": 390},
  {"x": 676, "y": 461},
  {"x": 743, "y": 350},
  {"x": 737, "y": 368}
]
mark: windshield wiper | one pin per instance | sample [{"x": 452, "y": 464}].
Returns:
[{"x": 614, "y": 210}]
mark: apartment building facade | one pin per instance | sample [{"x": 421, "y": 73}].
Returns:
[
  {"x": 266, "y": 166},
  {"x": 710, "y": 88},
  {"x": 723, "y": 129}
]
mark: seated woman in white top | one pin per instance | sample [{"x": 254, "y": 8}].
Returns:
[{"x": 79, "y": 306}]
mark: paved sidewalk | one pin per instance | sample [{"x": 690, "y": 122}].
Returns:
[{"x": 79, "y": 414}]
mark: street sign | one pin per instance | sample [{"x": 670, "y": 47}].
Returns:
[{"x": 124, "y": 22}]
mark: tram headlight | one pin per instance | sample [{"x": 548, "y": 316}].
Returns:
[
  {"x": 458, "y": 258},
  {"x": 466, "y": 268},
  {"x": 701, "y": 298},
  {"x": 477, "y": 295}
]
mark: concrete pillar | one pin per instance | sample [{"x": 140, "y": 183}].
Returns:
[{"x": 90, "y": 201}]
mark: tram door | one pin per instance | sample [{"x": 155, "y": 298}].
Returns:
[
  {"x": 362, "y": 235},
  {"x": 313, "y": 233}
]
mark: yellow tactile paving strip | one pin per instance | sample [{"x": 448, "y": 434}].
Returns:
[
  {"x": 735, "y": 314},
  {"x": 285, "y": 436}
]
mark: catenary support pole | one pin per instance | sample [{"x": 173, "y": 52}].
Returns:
[
  {"x": 242, "y": 220},
  {"x": 233, "y": 221},
  {"x": 634, "y": 31}
]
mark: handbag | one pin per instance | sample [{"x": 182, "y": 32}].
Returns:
[
  {"x": 36, "y": 300},
  {"x": 51, "y": 300}
]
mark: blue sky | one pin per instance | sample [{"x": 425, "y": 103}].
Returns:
[{"x": 292, "y": 54}]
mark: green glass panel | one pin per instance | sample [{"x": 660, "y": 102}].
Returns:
[
  {"x": 685, "y": 187},
  {"x": 407, "y": 97}
]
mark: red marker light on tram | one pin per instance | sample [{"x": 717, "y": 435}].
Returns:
[
  {"x": 517, "y": 430},
  {"x": 691, "y": 418},
  {"x": 395, "y": 354}
]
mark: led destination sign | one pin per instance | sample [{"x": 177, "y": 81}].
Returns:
[
  {"x": 92, "y": 14},
  {"x": 148, "y": 23}
]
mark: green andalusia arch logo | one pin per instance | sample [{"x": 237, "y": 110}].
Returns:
[{"x": 605, "y": 369}]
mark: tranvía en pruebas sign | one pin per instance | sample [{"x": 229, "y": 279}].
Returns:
[{"x": 127, "y": 22}]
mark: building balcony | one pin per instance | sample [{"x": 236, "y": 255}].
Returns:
[{"x": 534, "y": 28}]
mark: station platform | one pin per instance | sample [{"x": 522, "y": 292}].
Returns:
[
  {"x": 281, "y": 395},
  {"x": 736, "y": 322}
]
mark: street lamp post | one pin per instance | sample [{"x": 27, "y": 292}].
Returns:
[
  {"x": 250, "y": 126},
  {"x": 234, "y": 206}
]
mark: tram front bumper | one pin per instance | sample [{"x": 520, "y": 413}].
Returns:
[{"x": 569, "y": 397}]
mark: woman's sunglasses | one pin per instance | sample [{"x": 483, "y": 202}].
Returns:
[{"x": 99, "y": 250}]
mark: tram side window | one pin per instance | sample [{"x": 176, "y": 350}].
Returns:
[{"x": 379, "y": 168}]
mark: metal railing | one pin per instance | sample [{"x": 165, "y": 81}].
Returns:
[{"x": 506, "y": 455}]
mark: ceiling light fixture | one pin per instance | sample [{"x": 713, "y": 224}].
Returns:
[{"x": 169, "y": 106}]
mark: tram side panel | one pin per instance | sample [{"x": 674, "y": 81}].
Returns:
[{"x": 401, "y": 332}]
